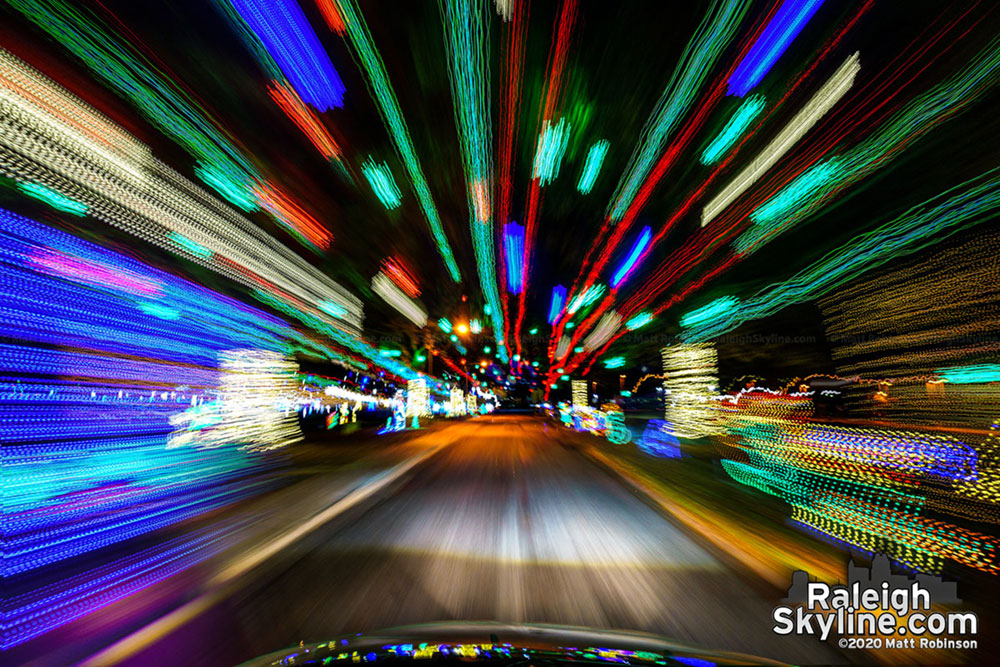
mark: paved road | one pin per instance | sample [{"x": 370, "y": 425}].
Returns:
[{"x": 505, "y": 524}]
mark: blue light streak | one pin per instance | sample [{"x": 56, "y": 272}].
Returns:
[
  {"x": 629, "y": 264},
  {"x": 787, "y": 23}
]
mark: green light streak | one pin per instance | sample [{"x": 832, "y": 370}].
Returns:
[
  {"x": 232, "y": 188},
  {"x": 378, "y": 80},
  {"x": 734, "y": 129},
  {"x": 710, "y": 311},
  {"x": 709, "y": 42},
  {"x": 593, "y": 293},
  {"x": 592, "y": 166},
  {"x": 54, "y": 199},
  {"x": 466, "y": 36}
]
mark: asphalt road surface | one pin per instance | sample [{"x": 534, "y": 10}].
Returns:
[{"x": 504, "y": 524}]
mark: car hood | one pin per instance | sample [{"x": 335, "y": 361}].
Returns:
[{"x": 503, "y": 643}]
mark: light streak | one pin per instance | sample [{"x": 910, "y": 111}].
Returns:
[
  {"x": 293, "y": 217},
  {"x": 733, "y": 129},
  {"x": 557, "y": 303},
  {"x": 286, "y": 34},
  {"x": 402, "y": 275},
  {"x": 821, "y": 102},
  {"x": 332, "y": 16},
  {"x": 73, "y": 149},
  {"x": 395, "y": 297},
  {"x": 592, "y": 294},
  {"x": 638, "y": 321},
  {"x": 306, "y": 120},
  {"x": 383, "y": 185},
  {"x": 513, "y": 237},
  {"x": 378, "y": 79},
  {"x": 475, "y": 326},
  {"x": 614, "y": 362},
  {"x": 630, "y": 262},
  {"x": 782, "y": 30},
  {"x": 592, "y": 166},
  {"x": 466, "y": 38},
  {"x": 444, "y": 324},
  {"x": 552, "y": 143},
  {"x": 710, "y": 312},
  {"x": 972, "y": 374},
  {"x": 52, "y": 198},
  {"x": 603, "y": 331},
  {"x": 699, "y": 56}
]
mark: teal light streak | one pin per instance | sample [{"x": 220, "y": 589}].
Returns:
[
  {"x": 797, "y": 196},
  {"x": 232, "y": 188},
  {"x": 640, "y": 320},
  {"x": 614, "y": 362},
  {"x": 194, "y": 248},
  {"x": 444, "y": 324},
  {"x": 552, "y": 143},
  {"x": 974, "y": 374},
  {"x": 378, "y": 80},
  {"x": 384, "y": 186},
  {"x": 592, "y": 166},
  {"x": 161, "y": 311},
  {"x": 710, "y": 311},
  {"x": 593, "y": 293},
  {"x": 54, "y": 199},
  {"x": 734, "y": 129}
]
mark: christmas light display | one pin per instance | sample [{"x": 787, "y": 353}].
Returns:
[
  {"x": 143, "y": 400},
  {"x": 690, "y": 386}
]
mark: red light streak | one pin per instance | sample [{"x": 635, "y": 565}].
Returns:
[
  {"x": 305, "y": 119},
  {"x": 401, "y": 276},
  {"x": 293, "y": 216}
]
